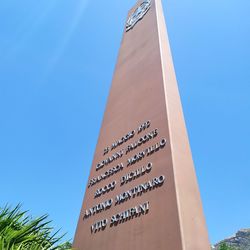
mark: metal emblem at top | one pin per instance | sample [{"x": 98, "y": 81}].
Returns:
[{"x": 138, "y": 14}]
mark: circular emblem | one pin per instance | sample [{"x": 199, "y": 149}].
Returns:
[{"x": 138, "y": 14}]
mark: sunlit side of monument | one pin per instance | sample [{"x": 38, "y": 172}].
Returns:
[{"x": 142, "y": 191}]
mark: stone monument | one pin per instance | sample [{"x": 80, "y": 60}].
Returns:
[{"x": 142, "y": 192}]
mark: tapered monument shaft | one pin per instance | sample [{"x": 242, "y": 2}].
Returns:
[{"x": 142, "y": 192}]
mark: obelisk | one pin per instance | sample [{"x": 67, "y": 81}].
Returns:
[{"x": 142, "y": 192}]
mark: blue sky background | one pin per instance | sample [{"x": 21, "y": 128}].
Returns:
[{"x": 56, "y": 64}]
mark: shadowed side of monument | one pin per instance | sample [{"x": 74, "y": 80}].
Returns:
[{"x": 142, "y": 191}]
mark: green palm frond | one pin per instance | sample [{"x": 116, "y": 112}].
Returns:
[{"x": 18, "y": 231}]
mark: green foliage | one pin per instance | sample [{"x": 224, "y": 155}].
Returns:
[
  {"x": 65, "y": 246},
  {"x": 224, "y": 246},
  {"x": 18, "y": 231}
]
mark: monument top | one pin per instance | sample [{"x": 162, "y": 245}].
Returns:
[{"x": 138, "y": 14}]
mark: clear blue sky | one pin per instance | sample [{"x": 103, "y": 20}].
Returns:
[{"x": 56, "y": 63}]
